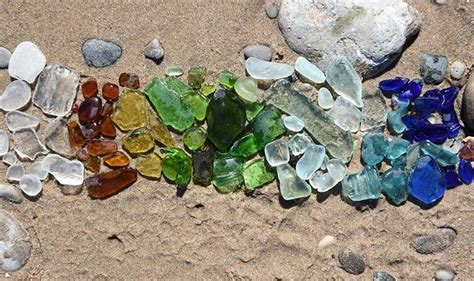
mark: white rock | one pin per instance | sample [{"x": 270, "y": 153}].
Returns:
[
  {"x": 457, "y": 70},
  {"x": 154, "y": 51},
  {"x": 4, "y": 143},
  {"x": 26, "y": 62},
  {"x": 36, "y": 169},
  {"x": 327, "y": 241},
  {"x": 65, "y": 171},
  {"x": 16, "y": 96},
  {"x": 17, "y": 120},
  {"x": 10, "y": 158},
  {"x": 15, "y": 172},
  {"x": 31, "y": 185},
  {"x": 264, "y": 70},
  {"x": 444, "y": 275},
  {"x": 293, "y": 123},
  {"x": 370, "y": 33},
  {"x": 308, "y": 71},
  {"x": 27, "y": 144}
]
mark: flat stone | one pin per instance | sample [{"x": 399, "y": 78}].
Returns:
[
  {"x": 311, "y": 161},
  {"x": 344, "y": 80},
  {"x": 293, "y": 123},
  {"x": 4, "y": 143},
  {"x": 346, "y": 115},
  {"x": 433, "y": 68},
  {"x": 26, "y": 62},
  {"x": 277, "y": 153},
  {"x": 27, "y": 144},
  {"x": 444, "y": 275},
  {"x": 374, "y": 112},
  {"x": 291, "y": 186},
  {"x": 325, "y": 98},
  {"x": 56, "y": 90},
  {"x": 154, "y": 51},
  {"x": 438, "y": 241},
  {"x": 15, "y": 172},
  {"x": 467, "y": 111},
  {"x": 299, "y": 143},
  {"x": 17, "y": 120},
  {"x": 130, "y": 110},
  {"x": 371, "y": 34},
  {"x": 66, "y": 172},
  {"x": 100, "y": 53},
  {"x": 5, "y": 55},
  {"x": 16, "y": 95},
  {"x": 30, "y": 185},
  {"x": 309, "y": 72},
  {"x": 261, "y": 52},
  {"x": 263, "y": 70},
  {"x": 15, "y": 246},
  {"x": 271, "y": 9},
  {"x": 327, "y": 241},
  {"x": 11, "y": 193},
  {"x": 57, "y": 137},
  {"x": 351, "y": 262},
  {"x": 382, "y": 276}
]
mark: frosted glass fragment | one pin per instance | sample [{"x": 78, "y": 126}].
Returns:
[
  {"x": 15, "y": 96},
  {"x": 325, "y": 99},
  {"x": 17, "y": 120},
  {"x": 27, "y": 144}
]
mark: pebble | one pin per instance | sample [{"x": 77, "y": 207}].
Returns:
[
  {"x": 154, "y": 51},
  {"x": 15, "y": 247},
  {"x": 382, "y": 276},
  {"x": 71, "y": 189},
  {"x": 27, "y": 144},
  {"x": 17, "y": 120},
  {"x": 66, "y": 172},
  {"x": 10, "y": 193},
  {"x": 436, "y": 242},
  {"x": 100, "y": 53},
  {"x": 26, "y": 62},
  {"x": 5, "y": 55},
  {"x": 10, "y": 158},
  {"x": 16, "y": 96},
  {"x": 4, "y": 143},
  {"x": 264, "y": 70},
  {"x": 15, "y": 172},
  {"x": 468, "y": 103},
  {"x": 457, "y": 70},
  {"x": 351, "y": 262},
  {"x": 271, "y": 9},
  {"x": 305, "y": 87},
  {"x": 441, "y": 2},
  {"x": 31, "y": 185},
  {"x": 293, "y": 123},
  {"x": 261, "y": 52},
  {"x": 444, "y": 275},
  {"x": 433, "y": 68},
  {"x": 327, "y": 241}
]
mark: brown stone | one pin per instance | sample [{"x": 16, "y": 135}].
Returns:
[
  {"x": 107, "y": 184},
  {"x": 101, "y": 147},
  {"x": 107, "y": 128},
  {"x": 76, "y": 139},
  {"x": 129, "y": 80},
  {"x": 91, "y": 131},
  {"x": 93, "y": 164},
  {"x": 116, "y": 159},
  {"x": 110, "y": 91},
  {"x": 467, "y": 152},
  {"x": 90, "y": 88},
  {"x": 82, "y": 155}
]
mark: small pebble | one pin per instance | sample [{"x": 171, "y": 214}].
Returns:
[
  {"x": 5, "y": 55},
  {"x": 154, "y": 51},
  {"x": 351, "y": 262},
  {"x": 327, "y": 241},
  {"x": 444, "y": 275},
  {"x": 100, "y": 53},
  {"x": 382, "y": 276},
  {"x": 10, "y": 158},
  {"x": 440, "y": 2},
  {"x": 71, "y": 189},
  {"x": 15, "y": 172},
  {"x": 258, "y": 51},
  {"x": 272, "y": 10},
  {"x": 17, "y": 95},
  {"x": 457, "y": 70},
  {"x": 436, "y": 242},
  {"x": 306, "y": 87},
  {"x": 433, "y": 68}
]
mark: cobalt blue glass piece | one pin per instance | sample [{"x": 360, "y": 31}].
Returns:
[
  {"x": 420, "y": 130},
  {"x": 393, "y": 86},
  {"x": 424, "y": 106},
  {"x": 412, "y": 90},
  {"x": 451, "y": 177},
  {"x": 411, "y": 121},
  {"x": 426, "y": 183},
  {"x": 450, "y": 119},
  {"x": 448, "y": 96},
  {"x": 432, "y": 93},
  {"x": 409, "y": 135},
  {"x": 465, "y": 170}
]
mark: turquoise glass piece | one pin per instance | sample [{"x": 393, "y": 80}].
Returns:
[
  {"x": 267, "y": 126},
  {"x": 400, "y": 161},
  {"x": 227, "y": 173},
  {"x": 426, "y": 183},
  {"x": 374, "y": 146},
  {"x": 442, "y": 156},
  {"x": 394, "y": 120},
  {"x": 361, "y": 186},
  {"x": 394, "y": 185},
  {"x": 413, "y": 153},
  {"x": 396, "y": 148},
  {"x": 291, "y": 186}
]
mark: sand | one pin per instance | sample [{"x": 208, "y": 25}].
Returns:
[{"x": 147, "y": 232}]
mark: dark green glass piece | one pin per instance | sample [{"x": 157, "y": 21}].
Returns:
[
  {"x": 252, "y": 109},
  {"x": 267, "y": 126},
  {"x": 203, "y": 160},
  {"x": 196, "y": 76},
  {"x": 245, "y": 146},
  {"x": 227, "y": 79}
]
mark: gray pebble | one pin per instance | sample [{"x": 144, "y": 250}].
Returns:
[
  {"x": 272, "y": 10},
  {"x": 5, "y": 55},
  {"x": 258, "y": 51},
  {"x": 100, "y": 53},
  {"x": 457, "y": 70},
  {"x": 433, "y": 68},
  {"x": 444, "y": 275},
  {"x": 154, "y": 51},
  {"x": 71, "y": 189},
  {"x": 437, "y": 242},
  {"x": 306, "y": 87},
  {"x": 351, "y": 262},
  {"x": 382, "y": 276}
]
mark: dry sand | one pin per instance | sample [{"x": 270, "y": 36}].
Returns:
[{"x": 146, "y": 232}]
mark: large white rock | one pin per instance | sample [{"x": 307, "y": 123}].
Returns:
[
  {"x": 370, "y": 33},
  {"x": 26, "y": 62}
]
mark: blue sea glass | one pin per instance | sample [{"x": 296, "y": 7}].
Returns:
[
  {"x": 451, "y": 177},
  {"x": 394, "y": 185},
  {"x": 396, "y": 148},
  {"x": 393, "y": 86},
  {"x": 442, "y": 156},
  {"x": 411, "y": 90},
  {"x": 426, "y": 183},
  {"x": 394, "y": 119},
  {"x": 364, "y": 185},
  {"x": 374, "y": 146},
  {"x": 465, "y": 170},
  {"x": 450, "y": 119}
]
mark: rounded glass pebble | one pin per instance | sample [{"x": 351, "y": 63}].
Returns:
[
  {"x": 10, "y": 158},
  {"x": 337, "y": 169},
  {"x": 293, "y": 123},
  {"x": 16, "y": 96},
  {"x": 174, "y": 70},
  {"x": 325, "y": 99},
  {"x": 322, "y": 182},
  {"x": 30, "y": 185},
  {"x": 15, "y": 172},
  {"x": 277, "y": 153},
  {"x": 4, "y": 143},
  {"x": 309, "y": 71},
  {"x": 246, "y": 88},
  {"x": 36, "y": 169}
]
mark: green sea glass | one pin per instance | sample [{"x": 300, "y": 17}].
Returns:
[
  {"x": 267, "y": 126},
  {"x": 203, "y": 161},
  {"x": 196, "y": 76},
  {"x": 197, "y": 102},
  {"x": 227, "y": 79},
  {"x": 256, "y": 174},
  {"x": 245, "y": 146},
  {"x": 208, "y": 89},
  {"x": 227, "y": 173},
  {"x": 130, "y": 110},
  {"x": 176, "y": 166},
  {"x": 252, "y": 109},
  {"x": 246, "y": 88},
  {"x": 194, "y": 137}
]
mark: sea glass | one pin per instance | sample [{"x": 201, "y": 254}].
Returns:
[{"x": 110, "y": 183}]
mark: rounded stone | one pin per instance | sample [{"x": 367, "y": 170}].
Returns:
[
  {"x": 382, "y": 276},
  {"x": 5, "y": 55},
  {"x": 444, "y": 275},
  {"x": 271, "y": 9},
  {"x": 100, "y": 53},
  {"x": 258, "y": 51},
  {"x": 433, "y": 68},
  {"x": 26, "y": 62},
  {"x": 457, "y": 70},
  {"x": 15, "y": 247},
  {"x": 351, "y": 262},
  {"x": 154, "y": 51},
  {"x": 435, "y": 242},
  {"x": 30, "y": 185},
  {"x": 468, "y": 103}
]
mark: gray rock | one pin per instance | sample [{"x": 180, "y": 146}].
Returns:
[
  {"x": 444, "y": 275},
  {"x": 467, "y": 111},
  {"x": 15, "y": 247},
  {"x": 371, "y": 34},
  {"x": 154, "y": 51},
  {"x": 5, "y": 55},
  {"x": 351, "y": 262},
  {"x": 100, "y": 53},
  {"x": 258, "y": 51},
  {"x": 382, "y": 276},
  {"x": 433, "y": 68},
  {"x": 436, "y": 242},
  {"x": 457, "y": 70},
  {"x": 271, "y": 9}
]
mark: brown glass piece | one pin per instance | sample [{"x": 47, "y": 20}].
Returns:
[
  {"x": 107, "y": 184},
  {"x": 76, "y": 139},
  {"x": 110, "y": 91},
  {"x": 467, "y": 152},
  {"x": 93, "y": 164},
  {"x": 90, "y": 109},
  {"x": 129, "y": 80},
  {"x": 91, "y": 131},
  {"x": 90, "y": 88},
  {"x": 107, "y": 128},
  {"x": 101, "y": 147},
  {"x": 116, "y": 159},
  {"x": 82, "y": 155},
  {"x": 107, "y": 109}
]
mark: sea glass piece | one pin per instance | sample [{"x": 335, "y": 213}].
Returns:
[
  {"x": 345, "y": 81},
  {"x": 318, "y": 123},
  {"x": 149, "y": 165},
  {"x": 90, "y": 109},
  {"x": 299, "y": 143},
  {"x": 174, "y": 70},
  {"x": 91, "y": 131},
  {"x": 374, "y": 111},
  {"x": 393, "y": 86},
  {"x": 426, "y": 182},
  {"x": 257, "y": 173},
  {"x": 130, "y": 110},
  {"x": 291, "y": 186},
  {"x": 169, "y": 105},
  {"x": 196, "y": 76},
  {"x": 57, "y": 137},
  {"x": 263, "y": 70},
  {"x": 26, "y": 62},
  {"x": 56, "y": 90},
  {"x": 311, "y": 161},
  {"x": 101, "y": 147},
  {"x": 442, "y": 156},
  {"x": 227, "y": 79},
  {"x": 107, "y": 128},
  {"x": 27, "y": 144},
  {"x": 245, "y": 146},
  {"x": 194, "y": 137},
  {"x": 117, "y": 159},
  {"x": 176, "y": 166},
  {"x": 361, "y": 186},
  {"x": 309, "y": 72},
  {"x": 4, "y": 143},
  {"x": 252, "y": 110},
  {"x": 197, "y": 102},
  {"x": 325, "y": 162},
  {"x": 227, "y": 173},
  {"x": 396, "y": 148},
  {"x": 110, "y": 91},
  {"x": 30, "y": 185},
  {"x": 158, "y": 130},
  {"x": 267, "y": 126},
  {"x": 346, "y": 115},
  {"x": 413, "y": 153},
  {"x": 93, "y": 164},
  {"x": 325, "y": 99},
  {"x": 394, "y": 119},
  {"x": 15, "y": 96},
  {"x": 15, "y": 172},
  {"x": 374, "y": 147},
  {"x": 10, "y": 158},
  {"x": 293, "y": 123},
  {"x": 246, "y": 88},
  {"x": 138, "y": 141},
  {"x": 467, "y": 151},
  {"x": 65, "y": 171},
  {"x": 203, "y": 162},
  {"x": 208, "y": 89},
  {"x": 336, "y": 169},
  {"x": 277, "y": 153},
  {"x": 465, "y": 170},
  {"x": 90, "y": 88},
  {"x": 322, "y": 182},
  {"x": 225, "y": 119},
  {"x": 129, "y": 80},
  {"x": 17, "y": 120},
  {"x": 76, "y": 139},
  {"x": 450, "y": 176},
  {"x": 110, "y": 183},
  {"x": 394, "y": 185},
  {"x": 36, "y": 169},
  {"x": 107, "y": 109}
]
